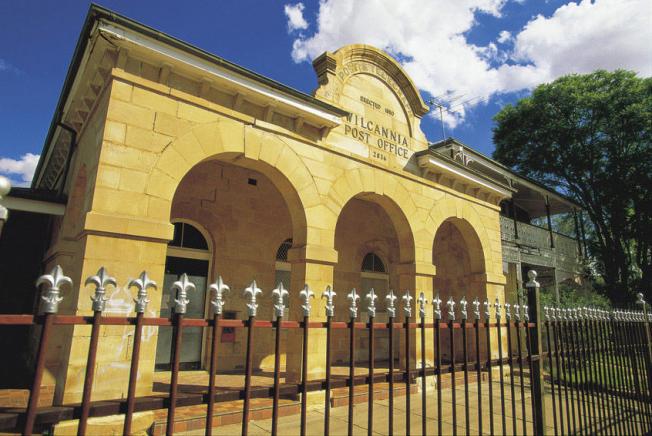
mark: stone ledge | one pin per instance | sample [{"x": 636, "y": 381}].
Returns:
[{"x": 96, "y": 222}]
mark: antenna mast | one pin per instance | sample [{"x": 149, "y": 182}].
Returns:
[{"x": 434, "y": 102}]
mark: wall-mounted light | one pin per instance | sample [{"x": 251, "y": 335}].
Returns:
[{"x": 5, "y": 187}]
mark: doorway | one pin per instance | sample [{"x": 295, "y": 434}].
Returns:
[{"x": 187, "y": 253}]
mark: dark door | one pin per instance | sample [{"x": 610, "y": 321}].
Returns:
[{"x": 191, "y": 342}]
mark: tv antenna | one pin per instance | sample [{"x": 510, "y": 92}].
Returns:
[
  {"x": 436, "y": 103},
  {"x": 450, "y": 107}
]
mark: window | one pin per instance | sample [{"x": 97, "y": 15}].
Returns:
[
  {"x": 282, "y": 252},
  {"x": 187, "y": 253},
  {"x": 374, "y": 275},
  {"x": 187, "y": 236},
  {"x": 372, "y": 263}
]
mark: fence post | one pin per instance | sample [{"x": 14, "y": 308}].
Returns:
[
  {"x": 641, "y": 301},
  {"x": 534, "y": 302}
]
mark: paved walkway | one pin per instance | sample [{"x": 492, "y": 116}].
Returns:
[{"x": 289, "y": 425}]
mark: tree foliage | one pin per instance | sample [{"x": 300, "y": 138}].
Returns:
[{"x": 589, "y": 136}]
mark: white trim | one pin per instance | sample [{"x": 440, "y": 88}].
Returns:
[
  {"x": 374, "y": 275},
  {"x": 206, "y": 67},
  {"x": 189, "y": 253},
  {"x": 201, "y": 229},
  {"x": 37, "y": 206},
  {"x": 431, "y": 161}
]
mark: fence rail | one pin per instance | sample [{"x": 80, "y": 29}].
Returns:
[{"x": 577, "y": 371}]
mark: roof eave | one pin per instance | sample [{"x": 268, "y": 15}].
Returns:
[{"x": 96, "y": 13}]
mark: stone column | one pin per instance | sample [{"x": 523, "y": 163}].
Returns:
[
  {"x": 495, "y": 287},
  {"x": 312, "y": 265},
  {"x": 424, "y": 275},
  {"x": 124, "y": 253},
  {"x": 408, "y": 280}
]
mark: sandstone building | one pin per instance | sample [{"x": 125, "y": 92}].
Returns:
[{"x": 163, "y": 157}]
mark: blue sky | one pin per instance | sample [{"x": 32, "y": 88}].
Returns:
[{"x": 483, "y": 52}]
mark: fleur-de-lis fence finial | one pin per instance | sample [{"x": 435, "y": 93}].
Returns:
[
  {"x": 476, "y": 309},
  {"x": 422, "y": 304},
  {"x": 101, "y": 280},
  {"x": 517, "y": 312},
  {"x": 546, "y": 313},
  {"x": 353, "y": 298},
  {"x": 391, "y": 308},
  {"x": 487, "y": 310},
  {"x": 280, "y": 294},
  {"x": 451, "y": 309},
  {"x": 329, "y": 294},
  {"x": 526, "y": 313},
  {"x": 306, "y": 294},
  {"x": 371, "y": 298},
  {"x": 640, "y": 299},
  {"x": 182, "y": 287},
  {"x": 252, "y": 291},
  {"x": 218, "y": 289},
  {"x": 436, "y": 306},
  {"x": 497, "y": 307},
  {"x": 508, "y": 311},
  {"x": 463, "y": 312},
  {"x": 142, "y": 283},
  {"x": 52, "y": 294},
  {"x": 407, "y": 304}
]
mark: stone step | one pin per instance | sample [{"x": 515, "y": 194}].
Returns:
[{"x": 340, "y": 396}]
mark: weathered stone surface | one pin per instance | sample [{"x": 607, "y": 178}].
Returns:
[{"x": 162, "y": 152}]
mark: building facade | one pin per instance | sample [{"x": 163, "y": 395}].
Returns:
[{"x": 173, "y": 160}]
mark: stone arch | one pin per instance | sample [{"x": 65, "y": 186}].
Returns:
[
  {"x": 375, "y": 186},
  {"x": 471, "y": 226},
  {"x": 233, "y": 142},
  {"x": 472, "y": 243},
  {"x": 348, "y": 60}
]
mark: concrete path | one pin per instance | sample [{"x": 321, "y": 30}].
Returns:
[{"x": 290, "y": 425}]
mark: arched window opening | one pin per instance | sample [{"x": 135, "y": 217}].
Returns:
[
  {"x": 373, "y": 263},
  {"x": 187, "y": 236},
  {"x": 282, "y": 252},
  {"x": 374, "y": 275}
]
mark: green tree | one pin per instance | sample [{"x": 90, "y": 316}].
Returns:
[{"x": 588, "y": 136}]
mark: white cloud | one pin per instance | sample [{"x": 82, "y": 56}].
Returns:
[
  {"x": 429, "y": 37},
  {"x": 23, "y": 167},
  {"x": 294, "y": 13},
  {"x": 504, "y": 37},
  {"x": 582, "y": 37}
]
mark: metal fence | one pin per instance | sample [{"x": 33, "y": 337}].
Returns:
[
  {"x": 599, "y": 371},
  {"x": 579, "y": 371}
]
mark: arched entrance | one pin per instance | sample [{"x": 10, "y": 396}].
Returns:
[
  {"x": 460, "y": 267},
  {"x": 251, "y": 215},
  {"x": 374, "y": 244}
]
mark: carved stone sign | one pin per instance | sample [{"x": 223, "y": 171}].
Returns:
[{"x": 384, "y": 107}]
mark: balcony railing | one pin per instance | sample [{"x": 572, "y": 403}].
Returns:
[{"x": 538, "y": 237}]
